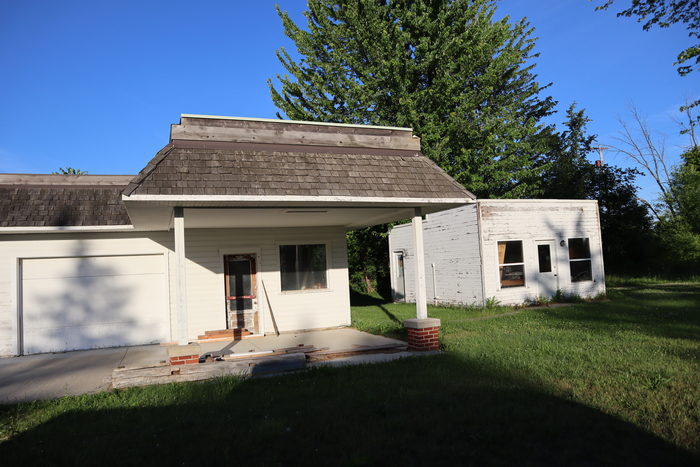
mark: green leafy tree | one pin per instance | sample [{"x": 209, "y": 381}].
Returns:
[
  {"x": 368, "y": 260},
  {"x": 567, "y": 165},
  {"x": 629, "y": 243},
  {"x": 664, "y": 13},
  {"x": 680, "y": 232},
  {"x": 626, "y": 226},
  {"x": 69, "y": 171},
  {"x": 463, "y": 80}
]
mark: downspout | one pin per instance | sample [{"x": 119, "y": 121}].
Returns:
[
  {"x": 477, "y": 206},
  {"x": 435, "y": 297}
]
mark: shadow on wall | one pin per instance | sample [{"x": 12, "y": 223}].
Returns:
[
  {"x": 438, "y": 410},
  {"x": 209, "y": 257},
  {"x": 562, "y": 254},
  {"x": 85, "y": 302}
]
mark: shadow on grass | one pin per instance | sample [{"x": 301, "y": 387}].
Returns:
[
  {"x": 431, "y": 410},
  {"x": 363, "y": 299}
]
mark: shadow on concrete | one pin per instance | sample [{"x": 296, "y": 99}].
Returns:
[{"x": 438, "y": 410}]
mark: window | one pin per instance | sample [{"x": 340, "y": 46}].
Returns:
[
  {"x": 303, "y": 267},
  {"x": 510, "y": 264},
  {"x": 580, "y": 260},
  {"x": 545, "y": 258}
]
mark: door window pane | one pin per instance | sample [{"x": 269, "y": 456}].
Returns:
[
  {"x": 239, "y": 280},
  {"x": 545, "y": 258},
  {"x": 303, "y": 267}
]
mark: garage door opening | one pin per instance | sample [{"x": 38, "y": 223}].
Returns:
[{"x": 88, "y": 302}]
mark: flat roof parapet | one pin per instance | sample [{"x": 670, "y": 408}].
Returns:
[{"x": 270, "y": 131}]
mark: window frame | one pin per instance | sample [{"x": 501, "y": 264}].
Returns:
[
  {"x": 580, "y": 260},
  {"x": 326, "y": 243},
  {"x": 522, "y": 263}
]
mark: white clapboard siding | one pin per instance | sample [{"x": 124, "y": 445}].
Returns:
[
  {"x": 451, "y": 257},
  {"x": 462, "y": 243},
  {"x": 311, "y": 309},
  {"x": 204, "y": 250},
  {"x": 62, "y": 247}
]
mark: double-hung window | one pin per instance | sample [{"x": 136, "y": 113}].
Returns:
[
  {"x": 510, "y": 263},
  {"x": 303, "y": 267},
  {"x": 580, "y": 260}
]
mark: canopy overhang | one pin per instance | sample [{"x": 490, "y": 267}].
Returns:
[{"x": 155, "y": 212}]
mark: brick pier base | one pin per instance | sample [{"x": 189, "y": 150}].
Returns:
[
  {"x": 423, "y": 334},
  {"x": 184, "y": 359},
  {"x": 184, "y": 354}
]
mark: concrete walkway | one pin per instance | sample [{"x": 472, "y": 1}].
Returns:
[
  {"x": 331, "y": 339},
  {"x": 49, "y": 376}
]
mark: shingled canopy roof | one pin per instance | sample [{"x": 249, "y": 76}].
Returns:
[
  {"x": 32, "y": 200},
  {"x": 232, "y": 168},
  {"x": 360, "y": 175}
]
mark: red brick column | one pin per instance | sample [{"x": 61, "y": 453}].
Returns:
[{"x": 423, "y": 334}]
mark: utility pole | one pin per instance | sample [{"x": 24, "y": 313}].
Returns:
[{"x": 600, "y": 162}]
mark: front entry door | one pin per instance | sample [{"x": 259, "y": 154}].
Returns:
[
  {"x": 547, "y": 278},
  {"x": 241, "y": 293}
]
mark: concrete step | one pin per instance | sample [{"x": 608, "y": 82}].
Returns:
[{"x": 225, "y": 334}]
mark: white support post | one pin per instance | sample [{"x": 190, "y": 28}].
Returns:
[
  {"x": 181, "y": 285},
  {"x": 421, "y": 302}
]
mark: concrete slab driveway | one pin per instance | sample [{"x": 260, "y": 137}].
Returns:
[{"x": 48, "y": 376}]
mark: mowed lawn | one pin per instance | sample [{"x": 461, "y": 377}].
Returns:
[{"x": 614, "y": 383}]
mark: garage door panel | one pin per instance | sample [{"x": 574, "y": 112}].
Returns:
[
  {"x": 91, "y": 266},
  {"x": 125, "y": 307}
]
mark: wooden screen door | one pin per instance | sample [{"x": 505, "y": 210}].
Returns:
[{"x": 241, "y": 296}]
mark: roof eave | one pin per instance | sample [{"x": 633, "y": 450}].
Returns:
[{"x": 290, "y": 200}]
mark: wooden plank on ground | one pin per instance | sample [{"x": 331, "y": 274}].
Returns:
[{"x": 164, "y": 374}]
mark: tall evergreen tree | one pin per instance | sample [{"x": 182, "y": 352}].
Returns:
[
  {"x": 568, "y": 168},
  {"x": 462, "y": 79}
]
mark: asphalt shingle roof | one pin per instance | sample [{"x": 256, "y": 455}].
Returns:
[
  {"x": 61, "y": 205},
  {"x": 257, "y": 170}
]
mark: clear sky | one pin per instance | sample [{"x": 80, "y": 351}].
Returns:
[{"x": 95, "y": 85}]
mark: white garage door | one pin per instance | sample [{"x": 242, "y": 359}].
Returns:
[{"x": 91, "y": 302}]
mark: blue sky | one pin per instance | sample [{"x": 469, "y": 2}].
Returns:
[{"x": 95, "y": 85}]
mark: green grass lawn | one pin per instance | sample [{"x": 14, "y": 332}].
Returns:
[{"x": 614, "y": 382}]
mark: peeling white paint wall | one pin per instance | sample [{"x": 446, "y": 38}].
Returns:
[{"x": 462, "y": 243}]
